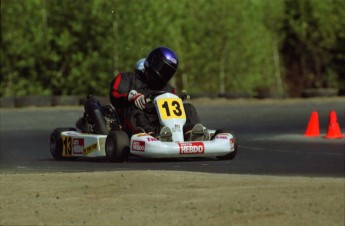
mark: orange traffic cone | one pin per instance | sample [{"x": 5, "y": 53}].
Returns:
[
  {"x": 333, "y": 131},
  {"x": 313, "y": 129}
]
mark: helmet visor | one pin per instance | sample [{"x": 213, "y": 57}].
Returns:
[{"x": 165, "y": 70}]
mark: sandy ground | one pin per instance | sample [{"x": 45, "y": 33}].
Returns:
[{"x": 169, "y": 198}]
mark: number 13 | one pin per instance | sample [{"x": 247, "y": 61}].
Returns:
[
  {"x": 177, "y": 108},
  {"x": 171, "y": 108}
]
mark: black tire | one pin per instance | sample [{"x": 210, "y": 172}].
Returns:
[
  {"x": 56, "y": 142},
  {"x": 233, "y": 154},
  {"x": 117, "y": 146}
]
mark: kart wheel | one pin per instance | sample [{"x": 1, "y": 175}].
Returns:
[
  {"x": 117, "y": 146},
  {"x": 231, "y": 155},
  {"x": 56, "y": 142}
]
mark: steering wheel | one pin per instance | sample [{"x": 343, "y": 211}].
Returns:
[
  {"x": 150, "y": 97},
  {"x": 150, "y": 107}
]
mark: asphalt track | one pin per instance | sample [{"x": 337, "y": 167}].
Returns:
[{"x": 270, "y": 134}]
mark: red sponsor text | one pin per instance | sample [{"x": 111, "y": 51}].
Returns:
[
  {"x": 192, "y": 148},
  {"x": 78, "y": 145},
  {"x": 138, "y": 145}
]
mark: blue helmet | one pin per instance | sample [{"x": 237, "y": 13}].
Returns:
[{"x": 160, "y": 65}]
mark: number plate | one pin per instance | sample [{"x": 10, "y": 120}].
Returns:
[
  {"x": 170, "y": 108},
  {"x": 66, "y": 146}
]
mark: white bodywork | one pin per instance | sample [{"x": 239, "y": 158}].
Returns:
[
  {"x": 148, "y": 146},
  {"x": 76, "y": 144},
  {"x": 171, "y": 113}
]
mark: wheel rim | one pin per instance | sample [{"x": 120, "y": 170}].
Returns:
[
  {"x": 52, "y": 144},
  {"x": 110, "y": 146}
]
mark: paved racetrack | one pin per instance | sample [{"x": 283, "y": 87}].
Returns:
[{"x": 270, "y": 134}]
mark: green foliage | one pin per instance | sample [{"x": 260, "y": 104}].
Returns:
[
  {"x": 64, "y": 47},
  {"x": 314, "y": 30}
]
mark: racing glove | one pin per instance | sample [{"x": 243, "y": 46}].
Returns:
[{"x": 137, "y": 98}]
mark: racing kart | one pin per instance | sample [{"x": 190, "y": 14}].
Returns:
[{"x": 103, "y": 135}]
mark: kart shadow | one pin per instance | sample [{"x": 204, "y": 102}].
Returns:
[
  {"x": 84, "y": 164},
  {"x": 132, "y": 159},
  {"x": 75, "y": 159},
  {"x": 150, "y": 160}
]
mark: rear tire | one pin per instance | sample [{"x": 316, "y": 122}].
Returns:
[
  {"x": 56, "y": 142},
  {"x": 117, "y": 146},
  {"x": 233, "y": 154}
]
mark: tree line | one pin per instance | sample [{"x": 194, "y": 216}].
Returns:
[{"x": 76, "y": 47}]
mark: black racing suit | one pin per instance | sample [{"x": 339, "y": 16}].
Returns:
[{"x": 133, "y": 118}]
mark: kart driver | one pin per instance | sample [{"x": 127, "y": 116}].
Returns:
[{"x": 128, "y": 92}]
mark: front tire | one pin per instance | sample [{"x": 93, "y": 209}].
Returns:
[
  {"x": 233, "y": 154},
  {"x": 56, "y": 142},
  {"x": 117, "y": 146}
]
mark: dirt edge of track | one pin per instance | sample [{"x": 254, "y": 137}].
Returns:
[{"x": 169, "y": 198}]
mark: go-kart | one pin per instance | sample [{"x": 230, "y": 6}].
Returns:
[{"x": 107, "y": 139}]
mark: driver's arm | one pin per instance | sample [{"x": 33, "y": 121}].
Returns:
[{"x": 119, "y": 90}]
